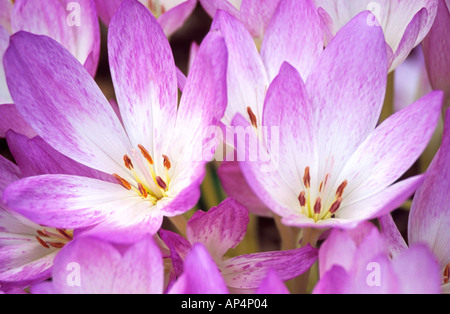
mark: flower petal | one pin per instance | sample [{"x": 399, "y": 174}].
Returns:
[
  {"x": 201, "y": 275},
  {"x": 246, "y": 76},
  {"x": 294, "y": 35},
  {"x": 429, "y": 218},
  {"x": 272, "y": 284},
  {"x": 391, "y": 148},
  {"x": 220, "y": 229},
  {"x": 64, "y": 201},
  {"x": 347, "y": 87},
  {"x": 11, "y": 119},
  {"x": 393, "y": 237},
  {"x": 235, "y": 185},
  {"x": 5, "y": 97},
  {"x": 144, "y": 77},
  {"x": 257, "y": 14},
  {"x": 35, "y": 157},
  {"x": 61, "y": 101},
  {"x": 9, "y": 173},
  {"x": 175, "y": 17},
  {"x": 248, "y": 271}
]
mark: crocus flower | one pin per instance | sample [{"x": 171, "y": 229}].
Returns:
[
  {"x": 224, "y": 227},
  {"x": 436, "y": 46},
  {"x": 171, "y": 14},
  {"x": 332, "y": 167},
  {"x": 429, "y": 216},
  {"x": 404, "y": 23},
  {"x": 254, "y": 14},
  {"x": 357, "y": 262},
  {"x": 157, "y": 157},
  {"x": 28, "y": 249}
]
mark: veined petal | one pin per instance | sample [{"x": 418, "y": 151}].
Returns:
[
  {"x": 434, "y": 49},
  {"x": 174, "y": 18},
  {"x": 246, "y": 76},
  {"x": 289, "y": 114},
  {"x": 202, "y": 106},
  {"x": 35, "y": 157},
  {"x": 248, "y": 271},
  {"x": 235, "y": 185},
  {"x": 393, "y": 236},
  {"x": 61, "y": 101},
  {"x": 347, "y": 87},
  {"x": 391, "y": 148},
  {"x": 201, "y": 275},
  {"x": 220, "y": 229},
  {"x": 25, "y": 263},
  {"x": 429, "y": 219},
  {"x": 144, "y": 77},
  {"x": 106, "y": 9},
  {"x": 230, "y": 6},
  {"x": 11, "y": 119},
  {"x": 257, "y": 14},
  {"x": 9, "y": 173},
  {"x": 64, "y": 201},
  {"x": 294, "y": 35},
  {"x": 5, "y": 97}
]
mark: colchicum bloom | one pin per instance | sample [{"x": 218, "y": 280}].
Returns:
[
  {"x": 331, "y": 166},
  {"x": 75, "y": 27},
  {"x": 404, "y": 23},
  {"x": 429, "y": 220},
  {"x": 171, "y": 14},
  {"x": 157, "y": 157},
  {"x": 436, "y": 47},
  {"x": 28, "y": 249},
  {"x": 357, "y": 262},
  {"x": 223, "y": 228},
  {"x": 254, "y": 14}
]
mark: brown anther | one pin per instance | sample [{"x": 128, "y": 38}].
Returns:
[
  {"x": 56, "y": 245},
  {"x": 320, "y": 187},
  {"x": 166, "y": 162},
  {"x": 42, "y": 234},
  {"x": 146, "y": 154},
  {"x": 318, "y": 205},
  {"x": 335, "y": 206},
  {"x": 122, "y": 181},
  {"x": 302, "y": 199},
  {"x": 142, "y": 190},
  {"x": 340, "y": 189},
  {"x": 307, "y": 178},
  {"x": 161, "y": 183},
  {"x": 64, "y": 234},
  {"x": 128, "y": 163},
  {"x": 42, "y": 242},
  {"x": 252, "y": 117},
  {"x": 163, "y": 9},
  {"x": 447, "y": 273}
]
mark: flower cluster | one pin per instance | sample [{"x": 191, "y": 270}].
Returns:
[{"x": 286, "y": 121}]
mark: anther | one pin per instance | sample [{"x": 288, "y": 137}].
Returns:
[
  {"x": 64, "y": 234},
  {"x": 146, "y": 154},
  {"x": 142, "y": 190},
  {"x": 307, "y": 178},
  {"x": 302, "y": 199},
  {"x": 252, "y": 117},
  {"x": 318, "y": 205},
  {"x": 42, "y": 242},
  {"x": 122, "y": 181},
  {"x": 447, "y": 273},
  {"x": 161, "y": 183},
  {"x": 42, "y": 234},
  {"x": 340, "y": 189},
  {"x": 56, "y": 245},
  {"x": 335, "y": 206},
  {"x": 166, "y": 162},
  {"x": 128, "y": 163}
]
